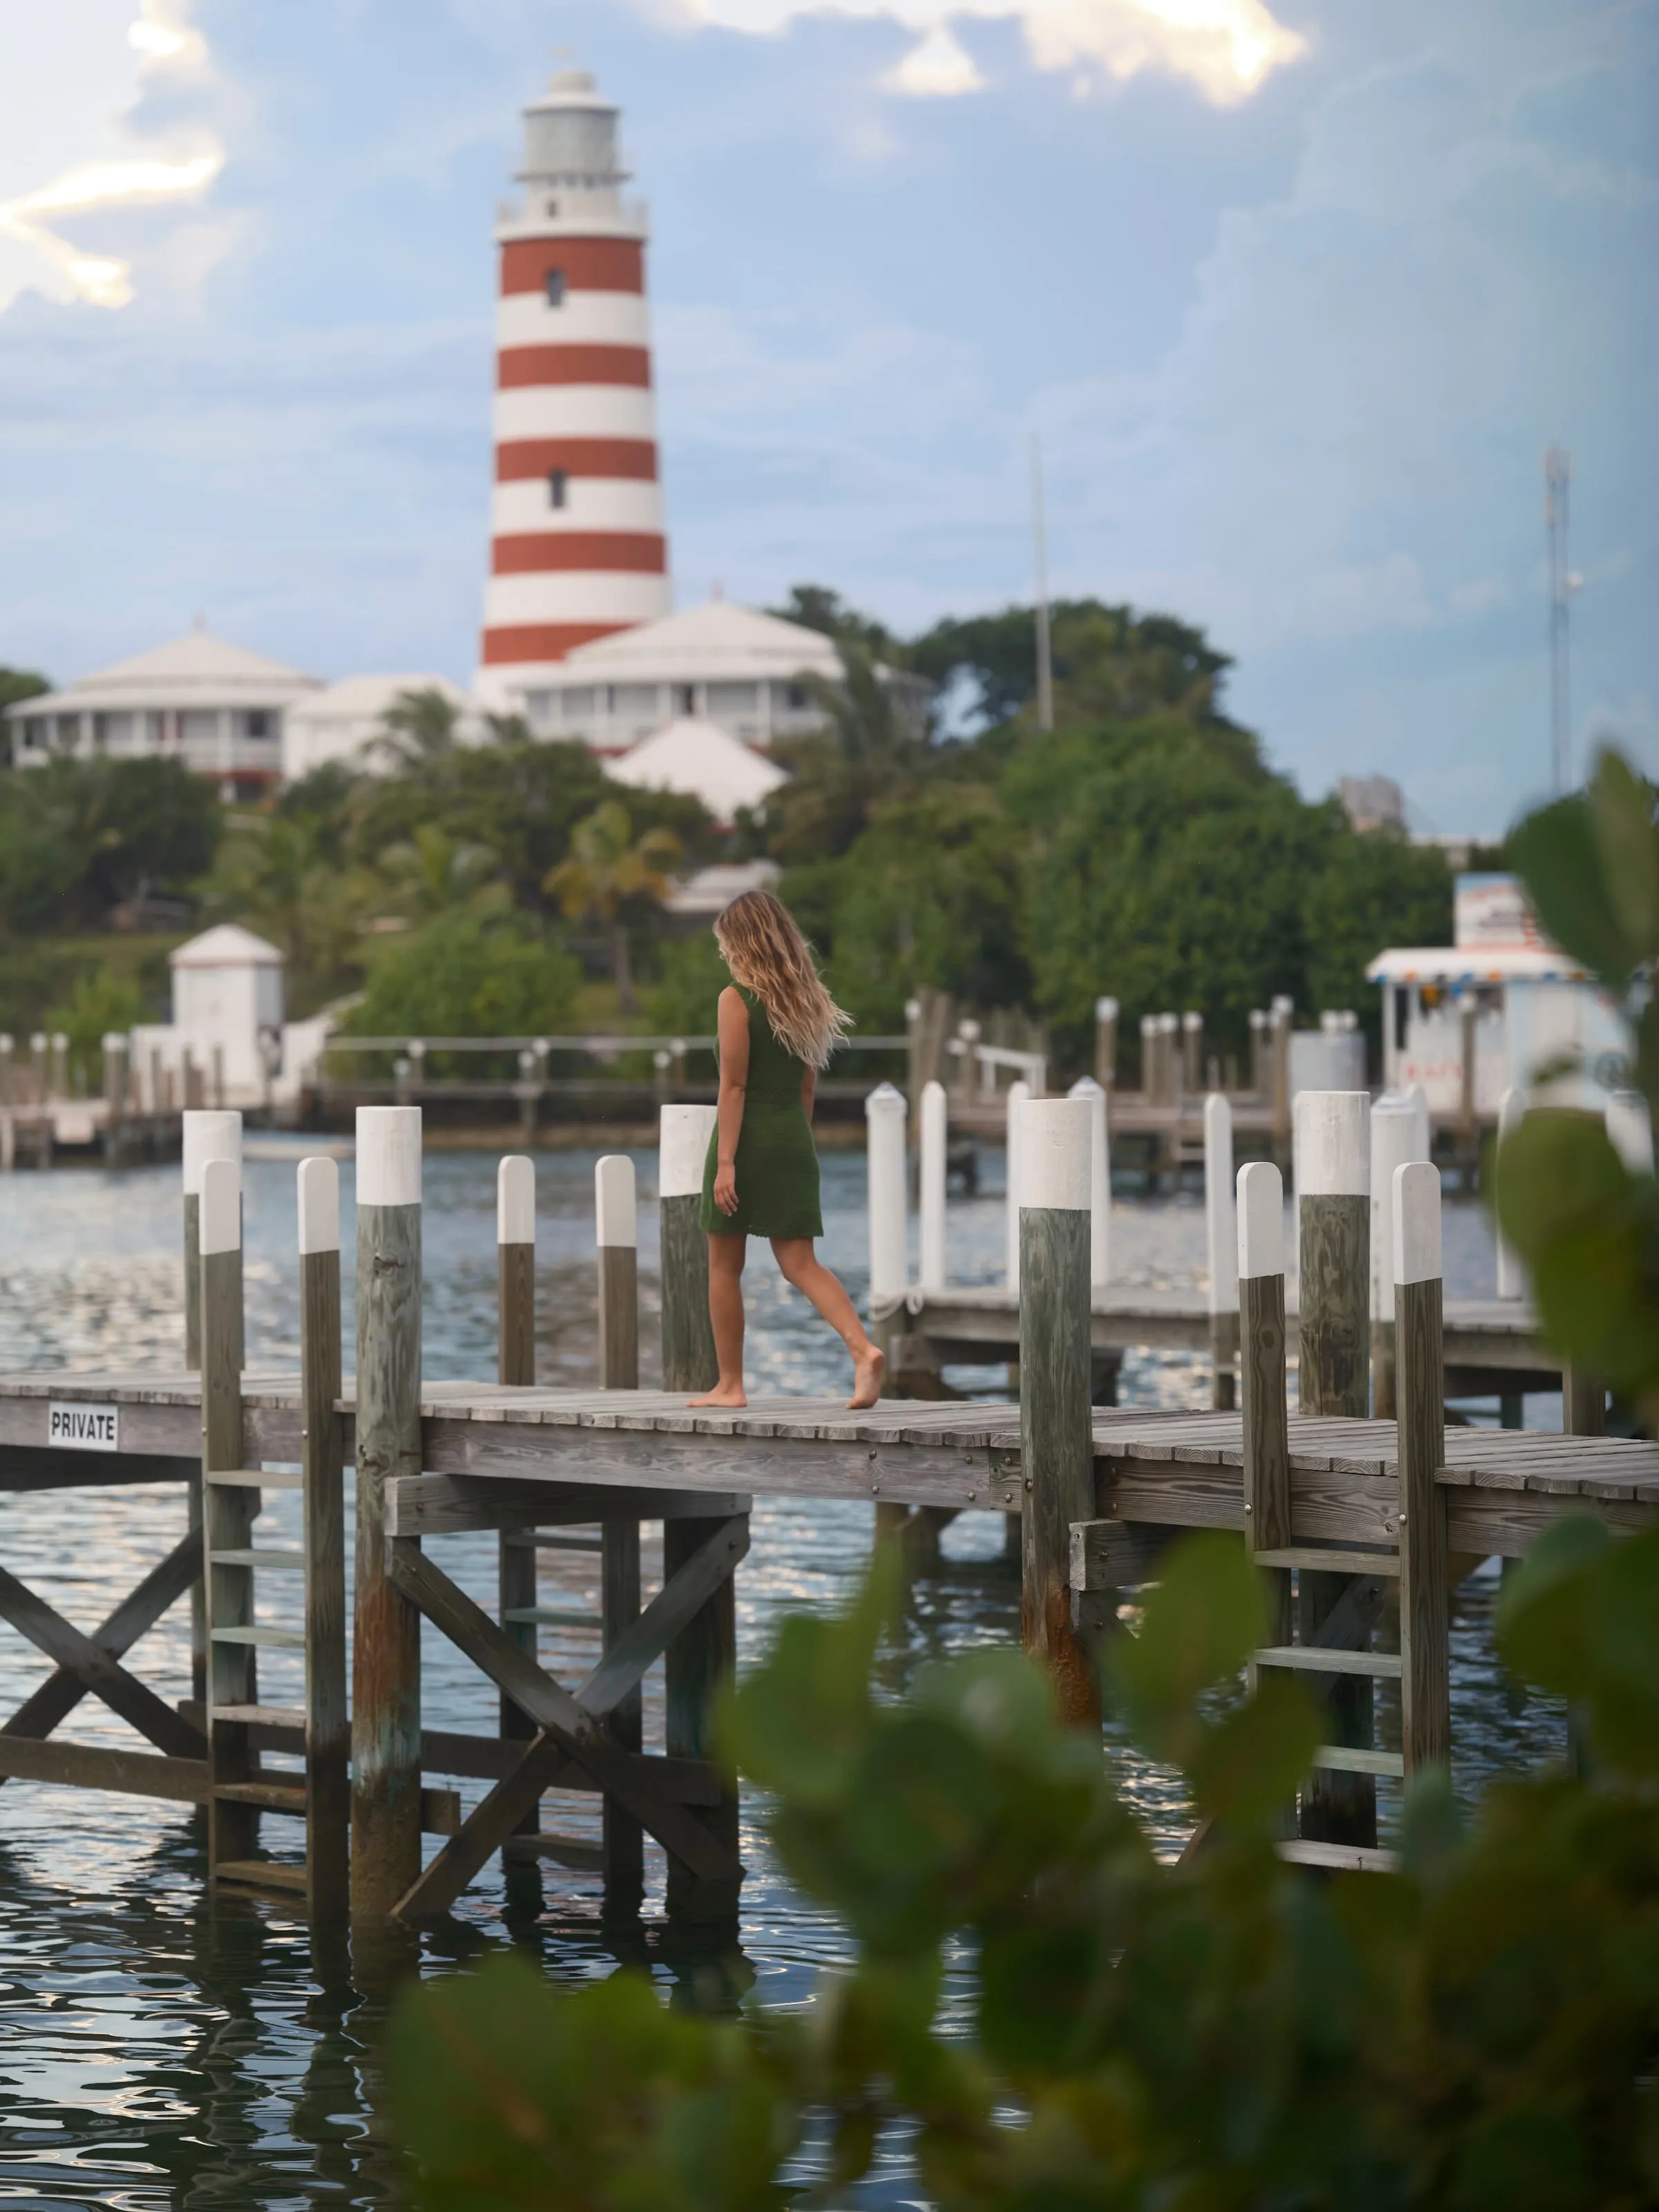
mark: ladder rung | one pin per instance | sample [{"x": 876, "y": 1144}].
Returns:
[
  {"x": 260, "y": 1716},
  {"x": 262, "y": 1874},
  {"x": 573, "y": 1852},
  {"x": 532, "y": 1539},
  {"x": 1329, "y": 1563},
  {"x": 254, "y": 1556},
  {"x": 274, "y": 1796},
  {"x": 1316, "y": 1659},
  {"x": 252, "y": 1478},
  {"x": 1354, "y": 1759},
  {"x": 1354, "y": 1858},
  {"x": 289, "y": 1639},
  {"x": 551, "y": 1616}
]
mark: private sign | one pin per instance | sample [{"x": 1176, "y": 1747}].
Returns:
[{"x": 82, "y": 1428}]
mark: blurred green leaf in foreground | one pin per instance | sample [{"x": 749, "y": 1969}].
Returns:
[{"x": 1480, "y": 2029}]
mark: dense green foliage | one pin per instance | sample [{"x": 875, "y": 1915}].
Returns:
[
  {"x": 1585, "y": 1221},
  {"x": 468, "y": 974},
  {"x": 80, "y": 837},
  {"x": 16, "y": 684},
  {"x": 1480, "y": 2030}
]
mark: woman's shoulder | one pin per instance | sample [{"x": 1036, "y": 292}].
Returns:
[{"x": 733, "y": 996}]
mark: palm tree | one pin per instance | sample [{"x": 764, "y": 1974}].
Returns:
[
  {"x": 418, "y": 727},
  {"x": 431, "y": 874},
  {"x": 608, "y": 865}
]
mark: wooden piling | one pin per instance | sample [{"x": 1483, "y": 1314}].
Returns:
[
  {"x": 1221, "y": 1233},
  {"x": 1398, "y": 1136},
  {"x": 1512, "y": 1112},
  {"x": 1192, "y": 1052},
  {"x": 932, "y": 1167},
  {"x": 1019, "y": 1094},
  {"x": 883, "y": 1114},
  {"x": 616, "y": 1226},
  {"x": 1424, "y": 1567},
  {"x": 704, "y": 1653},
  {"x": 1106, "y": 1012},
  {"x": 1332, "y": 1144},
  {"x": 1100, "y": 1182},
  {"x": 204, "y": 1137},
  {"x": 228, "y": 1512},
  {"x": 515, "y": 1365},
  {"x": 1260, "y": 1256},
  {"x": 385, "y": 1721},
  {"x": 1055, "y": 1416},
  {"x": 328, "y": 1729}
]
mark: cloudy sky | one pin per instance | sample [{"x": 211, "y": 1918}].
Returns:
[{"x": 1296, "y": 292}]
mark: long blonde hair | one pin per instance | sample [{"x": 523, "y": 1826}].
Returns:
[{"x": 767, "y": 954}]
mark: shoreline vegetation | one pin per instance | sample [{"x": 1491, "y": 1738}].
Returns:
[{"x": 1143, "y": 846}]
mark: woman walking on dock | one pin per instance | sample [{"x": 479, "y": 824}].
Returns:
[{"x": 777, "y": 1027}]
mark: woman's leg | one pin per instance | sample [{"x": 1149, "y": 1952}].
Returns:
[
  {"x": 725, "y": 1257},
  {"x": 803, "y": 1268}
]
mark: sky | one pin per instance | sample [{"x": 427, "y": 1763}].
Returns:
[{"x": 1294, "y": 293}]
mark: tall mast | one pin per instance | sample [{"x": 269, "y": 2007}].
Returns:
[
  {"x": 1558, "y": 475},
  {"x": 1045, "y": 670}
]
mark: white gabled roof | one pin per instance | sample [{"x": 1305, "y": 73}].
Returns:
[
  {"x": 356, "y": 698},
  {"x": 195, "y": 670},
  {"x": 702, "y": 761},
  {"x": 1475, "y": 963},
  {"x": 715, "y": 643},
  {"x": 228, "y": 945}
]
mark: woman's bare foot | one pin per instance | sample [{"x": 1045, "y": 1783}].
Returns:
[
  {"x": 723, "y": 1394},
  {"x": 868, "y": 1367}
]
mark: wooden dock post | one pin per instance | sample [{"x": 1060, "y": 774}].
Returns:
[
  {"x": 1192, "y": 1052},
  {"x": 1333, "y": 1145},
  {"x": 228, "y": 1512},
  {"x": 932, "y": 1169},
  {"x": 616, "y": 1227},
  {"x": 328, "y": 1729},
  {"x": 1055, "y": 1416},
  {"x": 883, "y": 1117},
  {"x": 1424, "y": 1566},
  {"x": 1261, "y": 1379},
  {"x": 1221, "y": 1232},
  {"x": 704, "y": 1653},
  {"x": 515, "y": 1365},
  {"x": 1106, "y": 1043},
  {"x": 385, "y": 1719},
  {"x": 1398, "y": 1136},
  {"x": 1280, "y": 1017},
  {"x": 1019, "y": 1094},
  {"x": 205, "y": 1136},
  {"x": 1511, "y": 1279}
]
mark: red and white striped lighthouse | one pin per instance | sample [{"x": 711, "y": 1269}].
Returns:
[{"x": 577, "y": 547}]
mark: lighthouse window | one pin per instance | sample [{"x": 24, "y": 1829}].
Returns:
[
  {"x": 556, "y": 288},
  {"x": 558, "y": 486}
]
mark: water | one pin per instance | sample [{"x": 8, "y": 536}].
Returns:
[{"x": 157, "y": 2050}]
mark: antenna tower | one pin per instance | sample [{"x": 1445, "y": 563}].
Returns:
[{"x": 1558, "y": 478}]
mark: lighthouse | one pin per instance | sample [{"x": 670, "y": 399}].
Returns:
[{"x": 577, "y": 545}]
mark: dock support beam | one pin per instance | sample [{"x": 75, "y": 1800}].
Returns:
[
  {"x": 322, "y": 1450},
  {"x": 1333, "y": 1147},
  {"x": 205, "y": 1136},
  {"x": 385, "y": 1721},
  {"x": 1399, "y": 1133},
  {"x": 1055, "y": 1417},
  {"x": 1262, "y": 1375},
  {"x": 704, "y": 1653},
  {"x": 515, "y": 1364},
  {"x": 617, "y": 1226},
  {"x": 233, "y": 1827}
]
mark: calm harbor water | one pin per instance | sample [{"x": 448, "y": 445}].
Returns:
[{"x": 157, "y": 2050}]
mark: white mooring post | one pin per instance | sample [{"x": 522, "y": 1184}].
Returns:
[
  {"x": 1512, "y": 1112},
  {"x": 1100, "y": 1182},
  {"x": 386, "y": 1666},
  {"x": 1399, "y": 1135},
  {"x": 1221, "y": 1235},
  {"x": 328, "y": 1728},
  {"x": 934, "y": 1163},
  {"x": 1019, "y": 1096},
  {"x": 1424, "y": 1570},
  {"x": 885, "y": 1117},
  {"x": 1055, "y": 1415},
  {"x": 207, "y": 1136},
  {"x": 1261, "y": 1256}
]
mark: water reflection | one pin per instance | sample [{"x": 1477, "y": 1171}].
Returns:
[{"x": 161, "y": 2050}]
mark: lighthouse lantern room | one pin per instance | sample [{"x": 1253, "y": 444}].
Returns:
[{"x": 577, "y": 545}]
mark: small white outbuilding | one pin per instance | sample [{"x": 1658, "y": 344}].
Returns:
[{"x": 699, "y": 759}]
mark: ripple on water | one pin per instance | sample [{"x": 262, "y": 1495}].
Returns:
[{"x": 155, "y": 2052}]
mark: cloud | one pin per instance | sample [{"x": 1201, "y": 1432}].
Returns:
[
  {"x": 140, "y": 174},
  {"x": 938, "y": 69},
  {"x": 1227, "y": 49}
]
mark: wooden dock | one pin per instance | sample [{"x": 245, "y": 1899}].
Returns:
[{"x": 1335, "y": 1503}]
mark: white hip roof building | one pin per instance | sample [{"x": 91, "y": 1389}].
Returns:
[
  {"x": 702, "y": 761},
  {"x": 345, "y": 722},
  {"x": 214, "y": 706}
]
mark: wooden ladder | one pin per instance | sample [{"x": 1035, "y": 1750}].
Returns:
[{"x": 233, "y": 1497}]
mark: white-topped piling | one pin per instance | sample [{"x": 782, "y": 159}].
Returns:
[
  {"x": 932, "y": 1172},
  {"x": 1511, "y": 1276},
  {"x": 1221, "y": 1240},
  {"x": 1100, "y": 1179},
  {"x": 1019, "y": 1096},
  {"x": 884, "y": 1120},
  {"x": 1398, "y": 1137}
]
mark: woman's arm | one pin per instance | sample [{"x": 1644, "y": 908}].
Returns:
[{"x": 732, "y": 1018}]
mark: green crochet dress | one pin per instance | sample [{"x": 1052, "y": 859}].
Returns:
[{"x": 777, "y": 1163}]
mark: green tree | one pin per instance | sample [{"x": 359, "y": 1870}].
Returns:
[
  {"x": 434, "y": 874},
  {"x": 1107, "y": 661},
  {"x": 681, "y": 999},
  {"x": 278, "y": 875},
  {"x": 815, "y": 606},
  {"x": 418, "y": 725},
  {"x": 16, "y": 684},
  {"x": 610, "y": 870},
  {"x": 468, "y": 974},
  {"x": 80, "y": 837},
  {"x": 101, "y": 1003}
]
